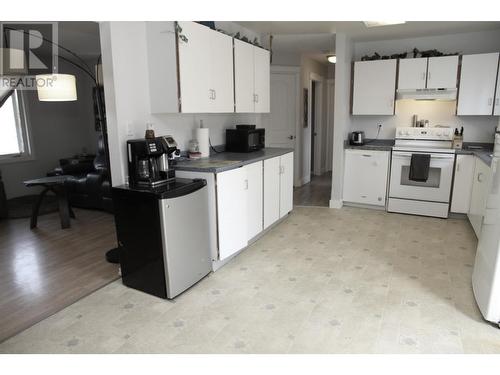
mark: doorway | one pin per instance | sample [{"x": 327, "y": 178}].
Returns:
[{"x": 316, "y": 172}]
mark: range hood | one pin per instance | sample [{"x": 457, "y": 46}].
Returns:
[{"x": 428, "y": 94}]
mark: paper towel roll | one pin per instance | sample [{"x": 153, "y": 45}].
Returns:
[{"x": 202, "y": 137}]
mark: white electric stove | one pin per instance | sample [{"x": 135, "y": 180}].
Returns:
[{"x": 426, "y": 198}]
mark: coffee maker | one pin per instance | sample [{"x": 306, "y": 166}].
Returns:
[{"x": 149, "y": 161}]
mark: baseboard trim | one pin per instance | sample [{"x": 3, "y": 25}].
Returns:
[{"x": 336, "y": 203}]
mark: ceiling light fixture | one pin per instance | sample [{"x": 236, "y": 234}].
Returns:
[
  {"x": 332, "y": 59},
  {"x": 382, "y": 23}
]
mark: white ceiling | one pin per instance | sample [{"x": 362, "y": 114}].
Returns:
[{"x": 359, "y": 32}]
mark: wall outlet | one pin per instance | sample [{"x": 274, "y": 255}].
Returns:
[{"x": 130, "y": 130}]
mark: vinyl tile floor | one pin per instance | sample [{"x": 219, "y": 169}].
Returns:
[{"x": 322, "y": 281}]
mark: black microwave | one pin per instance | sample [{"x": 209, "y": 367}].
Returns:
[{"x": 245, "y": 138}]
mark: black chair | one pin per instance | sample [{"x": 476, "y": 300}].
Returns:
[{"x": 89, "y": 183}]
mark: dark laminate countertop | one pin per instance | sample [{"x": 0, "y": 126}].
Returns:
[
  {"x": 225, "y": 161},
  {"x": 483, "y": 151},
  {"x": 372, "y": 144}
]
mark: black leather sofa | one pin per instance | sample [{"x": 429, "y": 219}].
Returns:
[{"x": 89, "y": 183}]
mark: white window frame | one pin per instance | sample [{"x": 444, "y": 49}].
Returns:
[{"x": 23, "y": 129}]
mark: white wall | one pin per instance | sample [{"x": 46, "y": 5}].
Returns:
[
  {"x": 477, "y": 128},
  {"x": 125, "y": 71},
  {"x": 344, "y": 49},
  {"x": 464, "y": 43},
  {"x": 58, "y": 130}
]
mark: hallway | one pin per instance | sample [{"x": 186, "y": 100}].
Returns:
[{"x": 315, "y": 193}]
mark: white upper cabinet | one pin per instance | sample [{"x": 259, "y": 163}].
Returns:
[
  {"x": 496, "y": 110},
  {"x": 251, "y": 78},
  {"x": 244, "y": 76},
  {"x": 205, "y": 70},
  {"x": 412, "y": 74},
  {"x": 221, "y": 72},
  {"x": 442, "y": 72},
  {"x": 194, "y": 69},
  {"x": 262, "y": 79},
  {"x": 430, "y": 73},
  {"x": 374, "y": 87},
  {"x": 478, "y": 79}
]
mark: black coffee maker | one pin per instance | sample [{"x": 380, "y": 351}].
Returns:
[{"x": 148, "y": 161}]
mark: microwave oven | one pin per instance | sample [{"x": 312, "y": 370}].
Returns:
[{"x": 245, "y": 138}]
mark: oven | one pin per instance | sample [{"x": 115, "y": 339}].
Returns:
[{"x": 429, "y": 198}]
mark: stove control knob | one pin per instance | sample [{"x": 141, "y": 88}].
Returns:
[{"x": 438, "y": 133}]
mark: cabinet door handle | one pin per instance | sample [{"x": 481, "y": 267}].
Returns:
[
  {"x": 490, "y": 101},
  {"x": 367, "y": 155},
  {"x": 424, "y": 74},
  {"x": 246, "y": 184},
  {"x": 480, "y": 177},
  {"x": 256, "y": 98},
  {"x": 497, "y": 101},
  {"x": 428, "y": 76},
  {"x": 215, "y": 94}
]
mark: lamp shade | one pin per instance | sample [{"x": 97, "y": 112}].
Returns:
[{"x": 56, "y": 87}]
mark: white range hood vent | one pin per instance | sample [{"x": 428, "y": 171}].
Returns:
[{"x": 428, "y": 94}]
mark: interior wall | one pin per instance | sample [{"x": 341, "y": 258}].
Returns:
[
  {"x": 127, "y": 100},
  {"x": 477, "y": 128},
  {"x": 344, "y": 49},
  {"x": 58, "y": 130}
]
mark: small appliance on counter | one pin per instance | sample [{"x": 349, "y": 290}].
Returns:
[
  {"x": 149, "y": 161},
  {"x": 357, "y": 138},
  {"x": 245, "y": 138}
]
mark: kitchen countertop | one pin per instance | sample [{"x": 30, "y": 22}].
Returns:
[
  {"x": 224, "y": 161},
  {"x": 372, "y": 144},
  {"x": 482, "y": 150}
]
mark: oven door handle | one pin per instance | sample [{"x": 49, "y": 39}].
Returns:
[{"x": 433, "y": 156}]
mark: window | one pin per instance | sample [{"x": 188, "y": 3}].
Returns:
[{"x": 14, "y": 137}]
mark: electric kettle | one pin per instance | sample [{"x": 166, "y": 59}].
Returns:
[{"x": 357, "y": 138}]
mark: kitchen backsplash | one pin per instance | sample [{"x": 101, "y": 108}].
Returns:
[{"x": 476, "y": 128}]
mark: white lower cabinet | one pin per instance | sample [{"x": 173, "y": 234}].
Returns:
[
  {"x": 232, "y": 217},
  {"x": 480, "y": 188},
  {"x": 365, "y": 177},
  {"x": 241, "y": 201},
  {"x": 462, "y": 184},
  {"x": 254, "y": 201},
  {"x": 278, "y": 188}
]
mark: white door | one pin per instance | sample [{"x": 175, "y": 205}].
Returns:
[
  {"x": 286, "y": 184},
  {"x": 480, "y": 186},
  {"x": 496, "y": 110},
  {"x": 271, "y": 191},
  {"x": 231, "y": 211},
  {"x": 194, "y": 69},
  {"x": 244, "y": 76},
  {"x": 442, "y": 72},
  {"x": 255, "y": 191},
  {"x": 262, "y": 65},
  {"x": 374, "y": 87},
  {"x": 365, "y": 177},
  {"x": 462, "y": 185},
  {"x": 412, "y": 74},
  {"x": 221, "y": 72},
  {"x": 477, "y": 84},
  {"x": 280, "y": 123}
]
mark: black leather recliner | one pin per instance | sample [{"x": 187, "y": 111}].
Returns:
[{"x": 89, "y": 185}]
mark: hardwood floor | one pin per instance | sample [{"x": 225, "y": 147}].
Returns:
[
  {"x": 315, "y": 193},
  {"x": 48, "y": 268}
]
